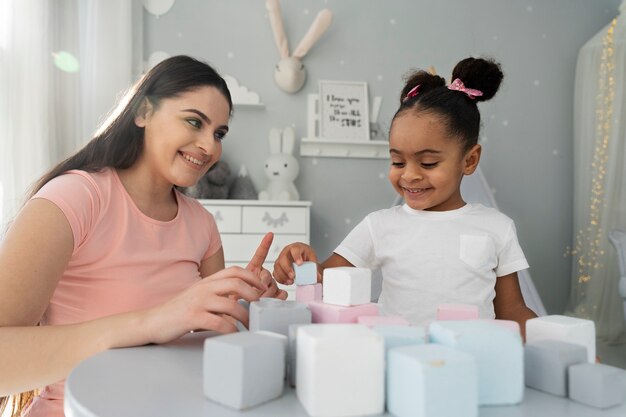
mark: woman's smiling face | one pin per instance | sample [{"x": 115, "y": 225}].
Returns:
[{"x": 183, "y": 134}]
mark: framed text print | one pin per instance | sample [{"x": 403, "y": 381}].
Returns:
[{"x": 344, "y": 111}]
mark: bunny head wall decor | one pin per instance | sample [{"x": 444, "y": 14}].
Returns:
[
  {"x": 281, "y": 167},
  {"x": 290, "y": 73}
]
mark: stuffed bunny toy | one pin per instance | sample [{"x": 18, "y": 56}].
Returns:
[
  {"x": 290, "y": 73},
  {"x": 281, "y": 167}
]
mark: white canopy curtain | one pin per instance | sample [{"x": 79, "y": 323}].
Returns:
[
  {"x": 47, "y": 113},
  {"x": 599, "y": 178}
]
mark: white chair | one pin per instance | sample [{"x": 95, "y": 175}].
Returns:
[{"x": 618, "y": 239}]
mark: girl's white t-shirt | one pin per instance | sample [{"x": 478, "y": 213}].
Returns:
[{"x": 429, "y": 258}]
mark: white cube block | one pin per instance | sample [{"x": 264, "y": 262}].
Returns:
[
  {"x": 565, "y": 329},
  {"x": 341, "y": 370},
  {"x": 242, "y": 370},
  {"x": 347, "y": 286},
  {"x": 431, "y": 381}
]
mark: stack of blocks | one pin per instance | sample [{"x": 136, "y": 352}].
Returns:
[
  {"x": 352, "y": 359},
  {"x": 346, "y": 296},
  {"x": 560, "y": 360},
  {"x": 307, "y": 287}
]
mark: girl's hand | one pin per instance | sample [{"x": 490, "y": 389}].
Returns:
[
  {"x": 256, "y": 267},
  {"x": 298, "y": 253},
  {"x": 210, "y": 304}
]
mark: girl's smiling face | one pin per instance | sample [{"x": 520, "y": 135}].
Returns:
[
  {"x": 427, "y": 163},
  {"x": 183, "y": 135}
]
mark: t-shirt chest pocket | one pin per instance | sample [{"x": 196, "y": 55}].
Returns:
[{"x": 477, "y": 251}]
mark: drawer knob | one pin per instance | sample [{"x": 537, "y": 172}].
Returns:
[{"x": 270, "y": 221}]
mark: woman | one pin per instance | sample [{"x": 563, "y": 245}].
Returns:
[{"x": 108, "y": 253}]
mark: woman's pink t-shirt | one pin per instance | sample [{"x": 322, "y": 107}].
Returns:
[{"x": 123, "y": 260}]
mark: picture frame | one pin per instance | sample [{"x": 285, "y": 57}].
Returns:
[{"x": 344, "y": 110}]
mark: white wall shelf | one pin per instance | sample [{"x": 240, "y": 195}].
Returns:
[
  {"x": 331, "y": 148},
  {"x": 249, "y": 105},
  {"x": 315, "y": 146}
]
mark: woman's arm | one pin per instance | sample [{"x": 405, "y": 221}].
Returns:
[
  {"x": 509, "y": 303},
  {"x": 33, "y": 256}
]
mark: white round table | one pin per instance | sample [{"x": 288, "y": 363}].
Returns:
[{"x": 166, "y": 380}]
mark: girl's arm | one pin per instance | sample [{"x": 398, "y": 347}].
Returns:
[
  {"x": 509, "y": 303},
  {"x": 298, "y": 253},
  {"x": 333, "y": 261},
  {"x": 33, "y": 256}
]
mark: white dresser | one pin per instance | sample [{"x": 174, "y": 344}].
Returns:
[{"x": 243, "y": 223}]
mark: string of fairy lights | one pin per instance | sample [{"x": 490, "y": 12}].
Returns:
[{"x": 589, "y": 239}]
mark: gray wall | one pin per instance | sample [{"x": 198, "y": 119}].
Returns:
[{"x": 527, "y": 128}]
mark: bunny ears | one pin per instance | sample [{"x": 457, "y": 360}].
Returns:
[
  {"x": 290, "y": 74},
  {"x": 317, "y": 29}
]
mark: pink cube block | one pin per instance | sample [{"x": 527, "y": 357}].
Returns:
[
  {"x": 308, "y": 293},
  {"x": 371, "y": 321},
  {"x": 331, "y": 313},
  {"x": 457, "y": 312}
]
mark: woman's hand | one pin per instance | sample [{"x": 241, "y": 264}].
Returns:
[
  {"x": 297, "y": 253},
  {"x": 256, "y": 267},
  {"x": 210, "y": 304}
]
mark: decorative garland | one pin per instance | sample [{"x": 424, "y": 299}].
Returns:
[{"x": 588, "y": 247}]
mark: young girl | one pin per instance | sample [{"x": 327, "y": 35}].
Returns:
[
  {"x": 107, "y": 253},
  {"x": 435, "y": 248}
]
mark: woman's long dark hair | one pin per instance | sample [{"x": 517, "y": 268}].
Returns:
[{"x": 119, "y": 141}]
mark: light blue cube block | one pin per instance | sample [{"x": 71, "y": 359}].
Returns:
[
  {"x": 499, "y": 354},
  {"x": 306, "y": 274},
  {"x": 431, "y": 380},
  {"x": 396, "y": 336}
]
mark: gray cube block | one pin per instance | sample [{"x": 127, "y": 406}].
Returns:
[
  {"x": 275, "y": 315},
  {"x": 292, "y": 353},
  {"x": 546, "y": 363},
  {"x": 245, "y": 305},
  {"x": 597, "y": 385},
  {"x": 243, "y": 370}
]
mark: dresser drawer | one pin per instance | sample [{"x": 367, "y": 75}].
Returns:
[
  {"x": 275, "y": 219},
  {"x": 240, "y": 248},
  {"x": 228, "y": 218}
]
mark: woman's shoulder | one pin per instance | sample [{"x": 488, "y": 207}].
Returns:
[
  {"x": 192, "y": 204},
  {"x": 75, "y": 182}
]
